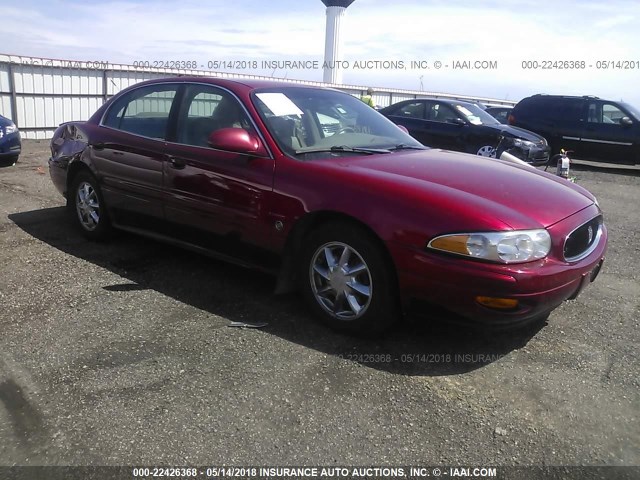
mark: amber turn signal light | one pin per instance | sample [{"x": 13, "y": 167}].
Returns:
[{"x": 497, "y": 303}]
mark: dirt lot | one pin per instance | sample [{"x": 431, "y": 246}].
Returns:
[{"x": 122, "y": 354}]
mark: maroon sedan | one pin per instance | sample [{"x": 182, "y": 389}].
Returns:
[{"x": 317, "y": 187}]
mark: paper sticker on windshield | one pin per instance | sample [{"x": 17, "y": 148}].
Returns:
[{"x": 279, "y": 104}]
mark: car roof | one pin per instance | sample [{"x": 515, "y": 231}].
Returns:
[
  {"x": 449, "y": 100},
  {"x": 545, "y": 95},
  {"x": 248, "y": 83}
]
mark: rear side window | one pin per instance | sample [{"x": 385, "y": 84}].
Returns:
[
  {"x": 410, "y": 110},
  {"x": 568, "y": 110},
  {"x": 143, "y": 112},
  {"x": 532, "y": 107}
]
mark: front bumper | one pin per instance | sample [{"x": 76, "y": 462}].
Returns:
[
  {"x": 535, "y": 156},
  {"x": 10, "y": 145},
  {"x": 453, "y": 283}
]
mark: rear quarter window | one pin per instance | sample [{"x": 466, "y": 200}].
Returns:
[{"x": 532, "y": 108}]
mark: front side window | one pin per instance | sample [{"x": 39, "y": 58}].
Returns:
[
  {"x": 604, "y": 113},
  {"x": 441, "y": 112},
  {"x": 144, "y": 111},
  {"x": 206, "y": 109},
  {"x": 611, "y": 113}
]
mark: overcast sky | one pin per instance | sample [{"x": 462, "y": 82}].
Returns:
[{"x": 507, "y": 32}]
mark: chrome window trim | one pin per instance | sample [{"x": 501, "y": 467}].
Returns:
[
  {"x": 593, "y": 140},
  {"x": 244, "y": 108},
  {"x": 592, "y": 247},
  {"x": 609, "y": 142}
]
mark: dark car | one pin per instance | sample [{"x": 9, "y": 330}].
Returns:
[
  {"x": 464, "y": 127},
  {"x": 10, "y": 142},
  {"x": 339, "y": 202},
  {"x": 500, "y": 113},
  {"x": 592, "y": 128}
]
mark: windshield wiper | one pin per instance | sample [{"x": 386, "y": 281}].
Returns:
[
  {"x": 402, "y": 146},
  {"x": 343, "y": 149}
]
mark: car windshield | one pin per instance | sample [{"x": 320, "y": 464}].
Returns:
[
  {"x": 633, "y": 110},
  {"x": 311, "y": 123},
  {"x": 475, "y": 115}
]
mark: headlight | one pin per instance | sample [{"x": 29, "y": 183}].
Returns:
[
  {"x": 516, "y": 246},
  {"x": 10, "y": 129},
  {"x": 518, "y": 142}
]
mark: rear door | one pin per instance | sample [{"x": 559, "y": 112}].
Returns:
[
  {"x": 129, "y": 149},
  {"x": 605, "y": 138},
  {"x": 213, "y": 190}
]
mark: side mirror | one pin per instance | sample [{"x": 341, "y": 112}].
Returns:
[
  {"x": 237, "y": 140},
  {"x": 457, "y": 121},
  {"x": 403, "y": 128},
  {"x": 626, "y": 121}
]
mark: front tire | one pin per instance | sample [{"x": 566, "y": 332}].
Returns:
[
  {"x": 9, "y": 161},
  {"x": 487, "y": 151},
  {"x": 88, "y": 207},
  {"x": 347, "y": 280}
]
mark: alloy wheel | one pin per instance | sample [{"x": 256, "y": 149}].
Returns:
[
  {"x": 87, "y": 206},
  {"x": 341, "y": 281},
  {"x": 487, "y": 151}
]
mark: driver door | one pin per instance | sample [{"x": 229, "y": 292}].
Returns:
[{"x": 605, "y": 138}]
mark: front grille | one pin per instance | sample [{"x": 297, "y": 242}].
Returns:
[{"x": 580, "y": 242}]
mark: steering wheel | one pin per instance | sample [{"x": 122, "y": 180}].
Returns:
[{"x": 345, "y": 130}]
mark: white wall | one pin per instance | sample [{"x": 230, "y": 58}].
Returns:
[{"x": 38, "y": 94}]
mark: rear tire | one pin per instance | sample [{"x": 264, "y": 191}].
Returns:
[
  {"x": 88, "y": 207},
  {"x": 347, "y": 280}
]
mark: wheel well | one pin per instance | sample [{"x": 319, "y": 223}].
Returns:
[
  {"x": 74, "y": 168},
  {"x": 307, "y": 224}
]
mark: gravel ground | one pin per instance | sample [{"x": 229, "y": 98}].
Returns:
[{"x": 121, "y": 353}]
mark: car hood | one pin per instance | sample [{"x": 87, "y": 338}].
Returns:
[
  {"x": 521, "y": 197},
  {"x": 519, "y": 133}
]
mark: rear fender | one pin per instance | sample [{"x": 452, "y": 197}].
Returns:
[
  {"x": 68, "y": 141},
  {"x": 68, "y": 146}
]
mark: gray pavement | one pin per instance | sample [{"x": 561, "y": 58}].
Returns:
[{"x": 121, "y": 353}]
